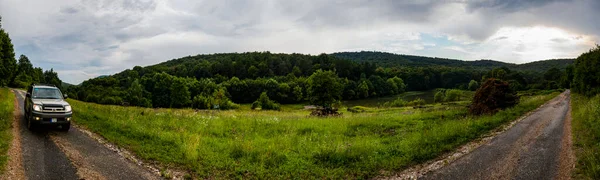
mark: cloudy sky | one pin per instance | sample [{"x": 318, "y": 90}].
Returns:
[{"x": 82, "y": 39}]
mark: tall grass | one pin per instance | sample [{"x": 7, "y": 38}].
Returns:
[
  {"x": 290, "y": 144},
  {"x": 586, "y": 134},
  {"x": 6, "y": 117}
]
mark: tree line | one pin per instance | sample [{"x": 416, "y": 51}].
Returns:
[
  {"x": 586, "y": 75},
  {"x": 20, "y": 74},
  {"x": 221, "y": 80}
]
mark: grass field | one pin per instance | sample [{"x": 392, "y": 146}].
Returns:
[
  {"x": 586, "y": 135},
  {"x": 290, "y": 144},
  {"x": 407, "y": 96},
  {"x": 6, "y": 116}
]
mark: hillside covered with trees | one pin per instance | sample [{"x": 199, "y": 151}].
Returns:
[
  {"x": 391, "y": 60},
  {"x": 221, "y": 80}
]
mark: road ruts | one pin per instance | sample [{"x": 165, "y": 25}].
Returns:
[
  {"x": 50, "y": 154},
  {"x": 529, "y": 150}
]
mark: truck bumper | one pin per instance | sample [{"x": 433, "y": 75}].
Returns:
[{"x": 51, "y": 119}]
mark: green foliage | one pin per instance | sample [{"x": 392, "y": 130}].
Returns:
[
  {"x": 473, "y": 85},
  {"x": 202, "y": 102},
  {"x": 586, "y": 135},
  {"x": 363, "y": 89},
  {"x": 360, "y": 109},
  {"x": 218, "y": 100},
  {"x": 452, "y": 95},
  {"x": 416, "y": 102},
  {"x": 324, "y": 88},
  {"x": 8, "y": 64},
  {"x": 137, "y": 94},
  {"x": 553, "y": 74},
  {"x": 255, "y": 105},
  {"x": 586, "y": 80},
  {"x": 567, "y": 78},
  {"x": 265, "y": 103},
  {"x": 244, "y": 76},
  {"x": 439, "y": 96},
  {"x": 299, "y": 96},
  {"x": 396, "y": 103},
  {"x": 51, "y": 77}
]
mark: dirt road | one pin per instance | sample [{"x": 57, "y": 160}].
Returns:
[
  {"x": 537, "y": 147},
  {"x": 52, "y": 154}
]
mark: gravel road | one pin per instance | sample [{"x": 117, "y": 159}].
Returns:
[
  {"x": 50, "y": 154},
  {"x": 537, "y": 147}
]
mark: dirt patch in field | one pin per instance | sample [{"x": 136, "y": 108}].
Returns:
[{"x": 14, "y": 168}]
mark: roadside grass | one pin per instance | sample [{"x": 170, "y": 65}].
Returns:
[
  {"x": 586, "y": 134},
  {"x": 289, "y": 144},
  {"x": 6, "y": 117}
]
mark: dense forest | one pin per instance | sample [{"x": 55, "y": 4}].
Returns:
[
  {"x": 221, "y": 80},
  {"x": 20, "y": 74}
]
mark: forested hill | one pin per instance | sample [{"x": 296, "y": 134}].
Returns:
[
  {"x": 390, "y": 60},
  {"x": 196, "y": 81},
  {"x": 544, "y": 65}
]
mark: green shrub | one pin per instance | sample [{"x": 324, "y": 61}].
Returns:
[
  {"x": 439, "y": 96},
  {"x": 265, "y": 103},
  {"x": 359, "y": 109},
  {"x": 396, "y": 103},
  {"x": 217, "y": 101},
  {"x": 452, "y": 95},
  {"x": 416, "y": 102},
  {"x": 255, "y": 105},
  {"x": 473, "y": 85}
]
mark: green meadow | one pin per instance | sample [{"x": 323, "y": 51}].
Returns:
[
  {"x": 586, "y": 134},
  {"x": 290, "y": 144},
  {"x": 7, "y": 99}
]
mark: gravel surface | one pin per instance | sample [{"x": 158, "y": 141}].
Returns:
[
  {"x": 531, "y": 149},
  {"x": 71, "y": 155}
]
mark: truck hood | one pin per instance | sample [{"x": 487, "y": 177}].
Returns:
[{"x": 50, "y": 101}]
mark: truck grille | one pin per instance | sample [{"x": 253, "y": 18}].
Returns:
[{"x": 53, "y": 108}]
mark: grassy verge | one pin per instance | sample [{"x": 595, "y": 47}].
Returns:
[
  {"x": 586, "y": 134},
  {"x": 6, "y": 117},
  {"x": 289, "y": 144}
]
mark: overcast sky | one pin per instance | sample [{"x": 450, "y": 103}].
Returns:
[{"x": 82, "y": 39}]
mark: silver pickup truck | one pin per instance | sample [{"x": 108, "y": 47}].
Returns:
[{"x": 45, "y": 106}]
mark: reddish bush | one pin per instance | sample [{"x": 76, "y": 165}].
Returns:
[{"x": 492, "y": 96}]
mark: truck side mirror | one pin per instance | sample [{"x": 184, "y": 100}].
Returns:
[
  {"x": 66, "y": 96},
  {"x": 28, "y": 95}
]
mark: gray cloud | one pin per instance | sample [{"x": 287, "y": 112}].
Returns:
[{"x": 85, "y": 38}]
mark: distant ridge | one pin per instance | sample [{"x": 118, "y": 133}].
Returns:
[{"x": 389, "y": 60}]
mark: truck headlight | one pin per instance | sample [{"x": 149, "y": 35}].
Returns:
[
  {"x": 68, "y": 108},
  {"x": 37, "y": 107}
]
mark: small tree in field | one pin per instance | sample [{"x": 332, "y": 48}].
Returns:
[
  {"x": 265, "y": 103},
  {"x": 492, "y": 96},
  {"x": 324, "y": 89},
  {"x": 473, "y": 85}
]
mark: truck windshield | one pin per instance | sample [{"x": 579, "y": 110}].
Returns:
[{"x": 46, "y": 93}]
